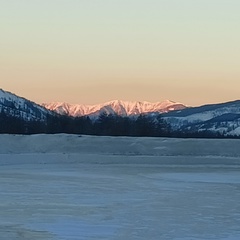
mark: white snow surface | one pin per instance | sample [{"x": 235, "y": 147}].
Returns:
[
  {"x": 122, "y": 108},
  {"x": 235, "y": 132},
  {"x": 70, "y": 187}
]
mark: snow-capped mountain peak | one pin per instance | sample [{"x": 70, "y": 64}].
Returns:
[{"x": 119, "y": 107}]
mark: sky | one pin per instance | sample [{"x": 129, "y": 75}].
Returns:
[{"x": 92, "y": 51}]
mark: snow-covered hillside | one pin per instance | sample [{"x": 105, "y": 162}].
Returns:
[
  {"x": 221, "y": 118},
  {"x": 121, "y": 108},
  {"x": 15, "y": 106}
]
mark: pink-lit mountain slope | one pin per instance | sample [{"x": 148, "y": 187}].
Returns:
[{"x": 121, "y": 108}]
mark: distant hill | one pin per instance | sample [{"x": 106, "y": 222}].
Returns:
[
  {"x": 19, "y": 107},
  {"x": 222, "y": 118},
  {"x": 21, "y": 116}
]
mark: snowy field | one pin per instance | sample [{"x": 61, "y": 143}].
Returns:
[{"x": 66, "y": 187}]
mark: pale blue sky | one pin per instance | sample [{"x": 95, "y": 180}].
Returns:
[{"x": 89, "y": 51}]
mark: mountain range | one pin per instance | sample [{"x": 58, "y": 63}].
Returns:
[
  {"x": 117, "y": 107},
  {"x": 222, "y": 118}
]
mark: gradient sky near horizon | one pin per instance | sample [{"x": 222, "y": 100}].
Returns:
[{"x": 92, "y": 51}]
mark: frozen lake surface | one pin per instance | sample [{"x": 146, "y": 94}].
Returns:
[{"x": 91, "y": 195}]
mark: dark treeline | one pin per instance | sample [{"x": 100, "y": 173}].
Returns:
[
  {"x": 143, "y": 125},
  {"x": 105, "y": 125},
  {"x": 13, "y": 125},
  {"x": 109, "y": 125}
]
